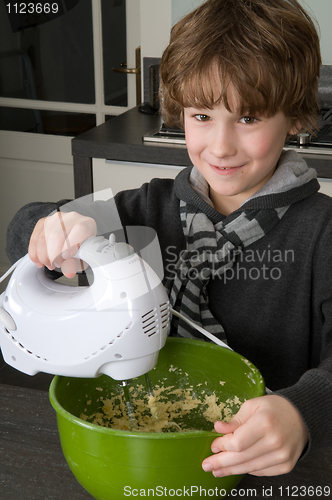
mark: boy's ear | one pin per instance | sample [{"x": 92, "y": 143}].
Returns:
[{"x": 295, "y": 127}]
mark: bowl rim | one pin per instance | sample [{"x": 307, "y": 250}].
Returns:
[{"x": 60, "y": 410}]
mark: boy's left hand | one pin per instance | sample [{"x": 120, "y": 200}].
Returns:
[{"x": 265, "y": 438}]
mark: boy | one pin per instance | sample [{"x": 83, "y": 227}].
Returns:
[{"x": 245, "y": 237}]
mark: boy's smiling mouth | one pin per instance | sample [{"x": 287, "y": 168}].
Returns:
[{"x": 215, "y": 167}]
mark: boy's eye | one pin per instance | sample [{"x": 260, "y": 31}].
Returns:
[
  {"x": 248, "y": 120},
  {"x": 202, "y": 118}
]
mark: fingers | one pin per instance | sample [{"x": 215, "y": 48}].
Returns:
[
  {"x": 56, "y": 239},
  {"x": 70, "y": 267},
  {"x": 76, "y": 230},
  {"x": 266, "y": 437},
  {"x": 237, "y": 451},
  {"x": 55, "y": 235},
  {"x": 47, "y": 241},
  {"x": 37, "y": 246},
  {"x": 266, "y": 464},
  {"x": 265, "y": 453},
  {"x": 242, "y": 431}
]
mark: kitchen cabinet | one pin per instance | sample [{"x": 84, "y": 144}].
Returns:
[
  {"x": 31, "y": 172},
  {"x": 119, "y": 176},
  {"x": 326, "y": 186}
]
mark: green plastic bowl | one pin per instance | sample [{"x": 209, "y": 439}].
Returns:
[{"x": 112, "y": 464}]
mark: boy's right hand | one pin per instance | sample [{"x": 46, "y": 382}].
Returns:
[{"x": 57, "y": 238}]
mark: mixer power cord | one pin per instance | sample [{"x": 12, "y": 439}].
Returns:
[
  {"x": 10, "y": 270},
  {"x": 200, "y": 329}
]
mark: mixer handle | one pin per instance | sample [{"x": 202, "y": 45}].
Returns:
[{"x": 99, "y": 251}]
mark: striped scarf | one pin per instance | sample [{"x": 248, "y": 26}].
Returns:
[{"x": 211, "y": 249}]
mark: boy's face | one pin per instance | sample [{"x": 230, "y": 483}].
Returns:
[{"x": 236, "y": 154}]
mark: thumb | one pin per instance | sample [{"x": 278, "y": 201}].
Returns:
[
  {"x": 245, "y": 412},
  {"x": 69, "y": 251},
  {"x": 69, "y": 267},
  {"x": 227, "y": 427}
]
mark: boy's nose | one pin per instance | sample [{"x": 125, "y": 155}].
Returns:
[{"x": 222, "y": 143}]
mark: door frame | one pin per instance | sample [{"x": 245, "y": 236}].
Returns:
[{"x": 99, "y": 109}]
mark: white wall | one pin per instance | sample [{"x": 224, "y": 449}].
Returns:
[
  {"x": 321, "y": 10},
  {"x": 156, "y": 22},
  {"x": 182, "y": 7},
  {"x": 158, "y": 16}
]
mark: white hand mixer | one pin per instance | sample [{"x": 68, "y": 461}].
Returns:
[{"x": 115, "y": 327}]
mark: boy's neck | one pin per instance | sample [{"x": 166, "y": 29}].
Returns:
[{"x": 226, "y": 204}]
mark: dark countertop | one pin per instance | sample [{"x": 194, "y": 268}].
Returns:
[
  {"x": 121, "y": 139},
  {"x": 32, "y": 466}
]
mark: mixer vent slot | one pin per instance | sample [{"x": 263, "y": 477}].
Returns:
[
  {"x": 164, "y": 314},
  {"x": 111, "y": 342},
  {"x": 150, "y": 323},
  {"x": 21, "y": 346}
]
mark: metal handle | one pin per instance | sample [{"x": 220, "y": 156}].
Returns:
[{"x": 136, "y": 71}]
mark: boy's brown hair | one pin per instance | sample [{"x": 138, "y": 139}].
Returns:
[{"x": 268, "y": 50}]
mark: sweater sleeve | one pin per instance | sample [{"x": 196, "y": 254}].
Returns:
[
  {"x": 312, "y": 394},
  {"x": 20, "y": 228},
  {"x": 144, "y": 206},
  {"x": 131, "y": 209},
  {"x": 154, "y": 205}
]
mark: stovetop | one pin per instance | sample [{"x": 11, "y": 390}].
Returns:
[
  {"x": 166, "y": 135},
  {"x": 322, "y": 137}
]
